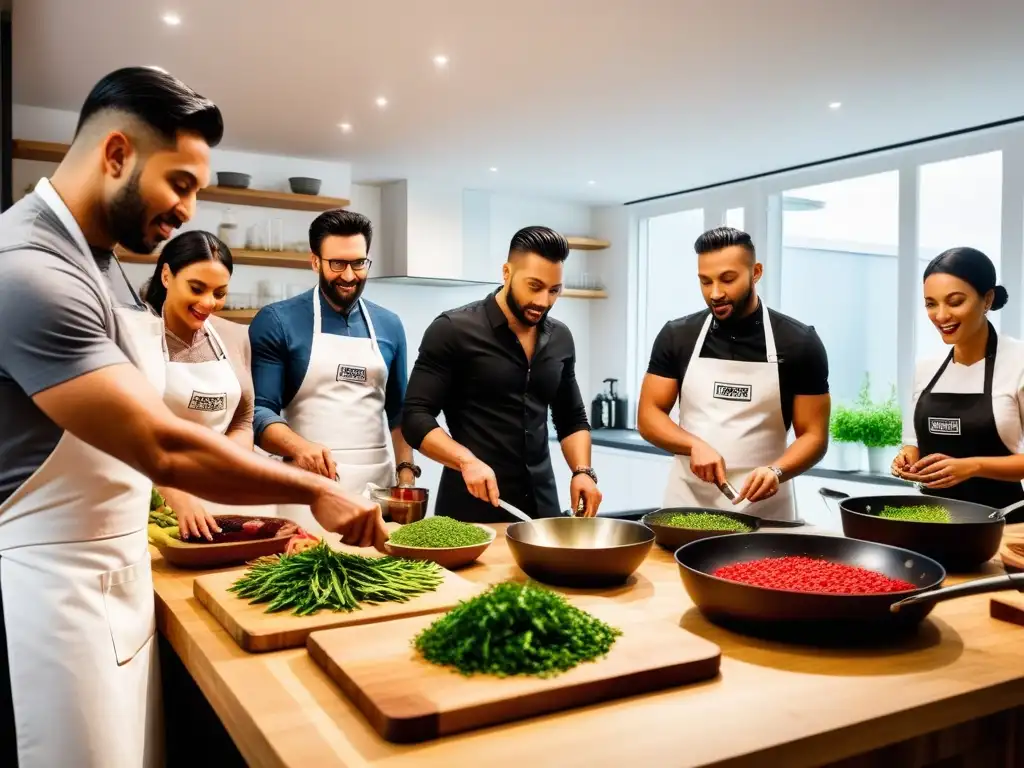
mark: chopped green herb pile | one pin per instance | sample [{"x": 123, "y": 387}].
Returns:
[
  {"x": 321, "y": 578},
  {"x": 515, "y": 629},
  {"x": 701, "y": 521},
  {"x": 437, "y": 533},
  {"x": 925, "y": 513}
]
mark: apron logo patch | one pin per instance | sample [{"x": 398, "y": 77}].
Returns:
[
  {"x": 351, "y": 373},
  {"x": 726, "y": 391},
  {"x": 205, "y": 401},
  {"x": 943, "y": 426}
]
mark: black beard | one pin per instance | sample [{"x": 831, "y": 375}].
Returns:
[
  {"x": 739, "y": 308},
  {"x": 334, "y": 295},
  {"x": 126, "y": 218},
  {"x": 519, "y": 311}
]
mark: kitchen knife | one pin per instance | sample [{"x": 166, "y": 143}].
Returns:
[
  {"x": 728, "y": 490},
  {"x": 514, "y": 511}
]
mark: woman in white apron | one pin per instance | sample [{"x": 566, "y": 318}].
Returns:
[
  {"x": 340, "y": 405},
  {"x": 208, "y": 380},
  {"x": 747, "y": 427}
]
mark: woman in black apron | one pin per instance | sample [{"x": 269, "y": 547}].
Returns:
[{"x": 967, "y": 415}]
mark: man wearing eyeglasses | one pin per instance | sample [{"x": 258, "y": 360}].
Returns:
[{"x": 329, "y": 370}]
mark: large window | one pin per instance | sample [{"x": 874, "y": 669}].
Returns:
[
  {"x": 959, "y": 203},
  {"x": 671, "y": 287},
  {"x": 844, "y": 247},
  {"x": 839, "y": 274}
]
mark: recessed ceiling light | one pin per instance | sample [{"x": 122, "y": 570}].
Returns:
[
  {"x": 591, "y": 182},
  {"x": 172, "y": 19},
  {"x": 835, "y": 105},
  {"x": 441, "y": 60},
  {"x": 382, "y": 102},
  {"x": 345, "y": 127},
  {"x": 493, "y": 169}
]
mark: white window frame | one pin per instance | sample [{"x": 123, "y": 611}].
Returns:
[{"x": 762, "y": 199}]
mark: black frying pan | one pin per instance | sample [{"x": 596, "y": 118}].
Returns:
[
  {"x": 971, "y": 538},
  {"x": 814, "y": 617},
  {"x": 671, "y": 537}
]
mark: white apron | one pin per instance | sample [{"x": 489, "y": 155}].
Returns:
[
  {"x": 78, "y": 589},
  {"x": 736, "y": 407},
  {"x": 340, "y": 405},
  {"x": 208, "y": 393}
]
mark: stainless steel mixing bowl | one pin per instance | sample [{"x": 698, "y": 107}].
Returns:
[
  {"x": 579, "y": 551},
  {"x": 403, "y": 504}
]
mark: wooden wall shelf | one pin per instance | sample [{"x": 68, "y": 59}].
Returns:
[
  {"x": 43, "y": 151},
  {"x": 241, "y": 316},
  {"x": 587, "y": 244},
  {"x": 583, "y": 293},
  {"x": 53, "y": 152},
  {"x": 286, "y": 259}
]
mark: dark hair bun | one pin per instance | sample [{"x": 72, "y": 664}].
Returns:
[{"x": 1001, "y": 297}]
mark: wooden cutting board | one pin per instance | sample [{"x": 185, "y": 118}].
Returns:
[
  {"x": 408, "y": 700},
  {"x": 1009, "y": 606},
  {"x": 256, "y": 631}
]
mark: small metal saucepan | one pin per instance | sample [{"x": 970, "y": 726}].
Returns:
[
  {"x": 402, "y": 504},
  {"x": 971, "y": 538}
]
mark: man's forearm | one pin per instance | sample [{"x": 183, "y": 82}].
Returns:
[
  {"x": 403, "y": 451},
  {"x": 201, "y": 462},
  {"x": 802, "y": 454},
  {"x": 657, "y": 428},
  {"x": 279, "y": 439},
  {"x": 437, "y": 445},
  {"x": 576, "y": 449}
]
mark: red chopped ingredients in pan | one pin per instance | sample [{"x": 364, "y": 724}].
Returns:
[{"x": 807, "y": 574}]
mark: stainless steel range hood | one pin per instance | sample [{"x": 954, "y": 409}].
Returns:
[{"x": 433, "y": 236}]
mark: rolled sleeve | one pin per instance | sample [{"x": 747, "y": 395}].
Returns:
[
  {"x": 54, "y": 323},
  {"x": 567, "y": 410},
  {"x": 269, "y": 369},
  {"x": 430, "y": 381}
]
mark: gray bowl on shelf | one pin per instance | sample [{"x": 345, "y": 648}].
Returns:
[
  {"x": 304, "y": 185},
  {"x": 233, "y": 180}
]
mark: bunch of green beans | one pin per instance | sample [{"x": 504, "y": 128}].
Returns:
[
  {"x": 438, "y": 532},
  {"x": 515, "y": 629},
  {"x": 322, "y": 578}
]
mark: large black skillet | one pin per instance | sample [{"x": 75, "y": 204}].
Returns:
[
  {"x": 814, "y": 617},
  {"x": 971, "y": 538}
]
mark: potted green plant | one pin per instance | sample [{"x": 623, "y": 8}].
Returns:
[
  {"x": 881, "y": 430},
  {"x": 844, "y": 429}
]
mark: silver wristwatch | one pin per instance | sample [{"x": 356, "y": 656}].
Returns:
[{"x": 777, "y": 471}]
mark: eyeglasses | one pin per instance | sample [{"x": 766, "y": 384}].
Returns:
[{"x": 339, "y": 265}]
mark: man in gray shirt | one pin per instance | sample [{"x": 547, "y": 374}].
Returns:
[{"x": 84, "y": 432}]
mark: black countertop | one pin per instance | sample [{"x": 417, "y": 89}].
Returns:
[{"x": 630, "y": 440}]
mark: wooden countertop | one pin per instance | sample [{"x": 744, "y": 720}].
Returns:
[{"x": 772, "y": 704}]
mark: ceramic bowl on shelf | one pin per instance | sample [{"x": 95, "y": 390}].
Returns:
[
  {"x": 304, "y": 185},
  {"x": 233, "y": 180}
]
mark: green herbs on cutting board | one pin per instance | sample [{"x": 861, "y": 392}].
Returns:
[
  {"x": 321, "y": 578},
  {"x": 438, "y": 532},
  {"x": 923, "y": 513},
  {"x": 515, "y": 629}
]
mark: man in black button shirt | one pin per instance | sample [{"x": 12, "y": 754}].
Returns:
[
  {"x": 495, "y": 367},
  {"x": 741, "y": 383}
]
